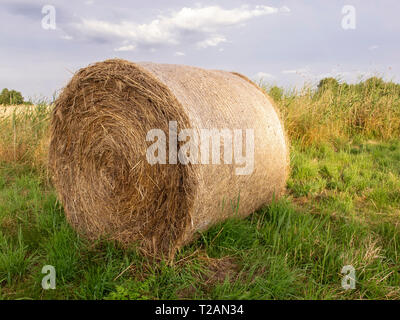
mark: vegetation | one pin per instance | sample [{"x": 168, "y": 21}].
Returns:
[
  {"x": 338, "y": 111},
  {"x": 342, "y": 208},
  {"x": 10, "y": 97}
]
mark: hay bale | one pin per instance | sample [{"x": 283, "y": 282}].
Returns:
[{"x": 99, "y": 162}]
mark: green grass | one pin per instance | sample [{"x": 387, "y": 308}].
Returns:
[{"x": 341, "y": 209}]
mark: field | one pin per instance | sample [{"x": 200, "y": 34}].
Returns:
[{"x": 342, "y": 208}]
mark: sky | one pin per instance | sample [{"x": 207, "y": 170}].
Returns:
[{"x": 287, "y": 43}]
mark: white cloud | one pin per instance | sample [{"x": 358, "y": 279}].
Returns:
[
  {"x": 67, "y": 37},
  {"x": 284, "y": 9},
  {"x": 373, "y": 47},
  {"x": 300, "y": 71},
  {"x": 126, "y": 48},
  {"x": 203, "y": 22},
  {"x": 179, "y": 54},
  {"x": 148, "y": 34},
  {"x": 263, "y": 76},
  {"x": 208, "y": 19},
  {"x": 212, "y": 41}
]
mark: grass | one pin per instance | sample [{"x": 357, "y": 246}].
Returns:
[
  {"x": 367, "y": 110},
  {"x": 342, "y": 208}
]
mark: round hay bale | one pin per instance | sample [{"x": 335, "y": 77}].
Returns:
[{"x": 99, "y": 152}]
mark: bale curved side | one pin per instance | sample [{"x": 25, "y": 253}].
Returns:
[{"x": 215, "y": 99}]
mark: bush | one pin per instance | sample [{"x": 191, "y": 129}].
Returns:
[
  {"x": 328, "y": 84},
  {"x": 11, "y": 97},
  {"x": 276, "y": 93}
]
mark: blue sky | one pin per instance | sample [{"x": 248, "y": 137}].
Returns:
[{"x": 284, "y": 42}]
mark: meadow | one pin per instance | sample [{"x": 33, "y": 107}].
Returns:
[{"x": 342, "y": 208}]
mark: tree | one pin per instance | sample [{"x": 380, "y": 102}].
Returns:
[
  {"x": 375, "y": 83},
  {"x": 328, "y": 84},
  {"x": 8, "y": 97}
]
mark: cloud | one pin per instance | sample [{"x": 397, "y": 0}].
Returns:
[
  {"x": 263, "y": 76},
  {"x": 300, "y": 71},
  {"x": 23, "y": 8},
  {"x": 179, "y": 54},
  {"x": 373, "y": 47},
  {"x": 67, "y": 37},
  {"x": 200, "y": 25},
  {"x": 212, "y": 41},
  {"x": 129, "y": 47},
  {"x": 284, "y": 9},
  {"x": 209, "y": 19},
  {"x": 149, "y": 34}
]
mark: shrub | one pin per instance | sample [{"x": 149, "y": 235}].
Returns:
[{"x": 276, "y": 93}]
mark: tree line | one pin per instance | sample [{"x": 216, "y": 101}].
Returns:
[
  {"x": 375, "y": 85},
  {"x": 11, "y": 97}
]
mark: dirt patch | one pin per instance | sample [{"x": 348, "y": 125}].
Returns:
[
  {"x": 216, "y": 271},
  {"x": 219, "y": 270}
]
